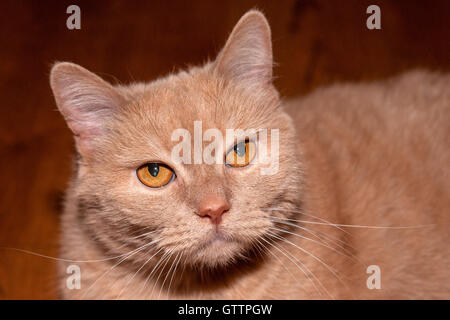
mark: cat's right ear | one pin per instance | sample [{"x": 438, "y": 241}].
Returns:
[
  {"x": 85, "y": 100},
  {"x": 247, "y": 56}
]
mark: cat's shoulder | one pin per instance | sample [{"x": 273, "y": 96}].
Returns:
[
  {"x": 413, "y": 91},
  {"x": 415, "y": 82}
]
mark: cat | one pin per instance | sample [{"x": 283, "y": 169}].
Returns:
[{"x": 358, "y": 208}]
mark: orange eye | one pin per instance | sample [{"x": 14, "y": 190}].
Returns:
[
  {"x": 155, "y": 175},
  {"x": 241, "y": 154}
]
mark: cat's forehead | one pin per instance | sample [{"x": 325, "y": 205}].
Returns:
[
  {"x": 192, "y": 102},
  {"x": 177, "y": 101}
]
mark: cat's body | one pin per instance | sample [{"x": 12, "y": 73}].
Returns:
[{"x": 357, "y": 155}]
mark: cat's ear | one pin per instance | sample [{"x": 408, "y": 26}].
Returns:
[
  {"x": 247, "y": 55},
  {"x": 85, "y": 100}
]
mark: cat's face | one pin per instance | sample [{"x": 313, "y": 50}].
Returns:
[{"x": 122, "y": 129}]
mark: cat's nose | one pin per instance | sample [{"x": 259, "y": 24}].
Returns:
[{"x": 213, "y": 207}]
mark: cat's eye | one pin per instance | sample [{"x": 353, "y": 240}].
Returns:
[
  {"x": 241, "y": 154},
  {"x": 155, "y": 175}
]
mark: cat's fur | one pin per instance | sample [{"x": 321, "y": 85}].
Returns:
[{"x": 372, "y": 154}]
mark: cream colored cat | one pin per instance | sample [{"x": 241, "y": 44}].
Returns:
[{"x": 363, "y": 180}]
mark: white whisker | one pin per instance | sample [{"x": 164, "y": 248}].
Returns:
[
  {"x": 313, "y": 232},
  {"x": 143, "y": 265},
  {"x": 173, "y": 274},
  {"x": 314, "y": 241},
  {"x": 337, "y": 225},
  {"x": 175, "y": 262},
  {"x": 311, "y": 255},
  {"x": 306, "y": 221},
  {"x": 278, "y": 259},
  {"x": 287, "y": 255},
  {"x": 133, "y": 252},
  {"x": 151, "y": 273},
  {"x": 137, "y": 237},
  {"x": 62, "y": 259},
  {"x": 169, "y": 256}
]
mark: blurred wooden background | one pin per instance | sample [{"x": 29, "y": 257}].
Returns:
[{"x": 315, "y": 43}]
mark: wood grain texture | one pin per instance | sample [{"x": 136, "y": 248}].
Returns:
[{"x": 316, "y": 42}]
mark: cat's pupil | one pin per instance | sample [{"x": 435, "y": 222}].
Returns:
[
  {"x": 153, "y": 168},
  {"x": 240, "y": 149}
]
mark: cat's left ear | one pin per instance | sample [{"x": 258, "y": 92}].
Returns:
[
  {"x": 86, "y": 101},
  {"x": 247, "y": 55}
]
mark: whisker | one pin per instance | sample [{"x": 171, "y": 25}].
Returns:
[
  {"x": 173, "y": 274},
  {"x": 337, "y": 225},
  {"x": 314, "y": 241},
  {"x": 137, "y": 237},
  {"x": 144, "y": 234},
  {"x": 143, "y": 265},
  {"x": 313, "y": 232},
  {"x": 153, "y": 270},
  {"x": 167, "y": 274},
  {"x": 62, "y": 259},
  {"x": 161, "y": 271},
  {"x": 311, "y": 255},
  {"x": 184, "y": 267},
  {"x": 287, "y": 255},
  {"x": 133, "y": 252},
  {"x": 306, "y": 221},
  {"x": 278, "y": 259},
  {"x": 333, "y": 240}
]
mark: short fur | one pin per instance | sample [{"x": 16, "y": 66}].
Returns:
[{"x": 373, "y": 154}]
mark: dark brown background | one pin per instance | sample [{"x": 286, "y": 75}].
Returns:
[{"x": 315, "y": 43}]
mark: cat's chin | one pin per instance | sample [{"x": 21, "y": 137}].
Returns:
[{"x": 218, "y": 250}]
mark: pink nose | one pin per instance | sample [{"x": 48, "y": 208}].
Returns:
[{"x": 213, "y": 207}]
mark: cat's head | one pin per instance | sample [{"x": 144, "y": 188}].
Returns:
[{"x": 128, "y": 181}]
